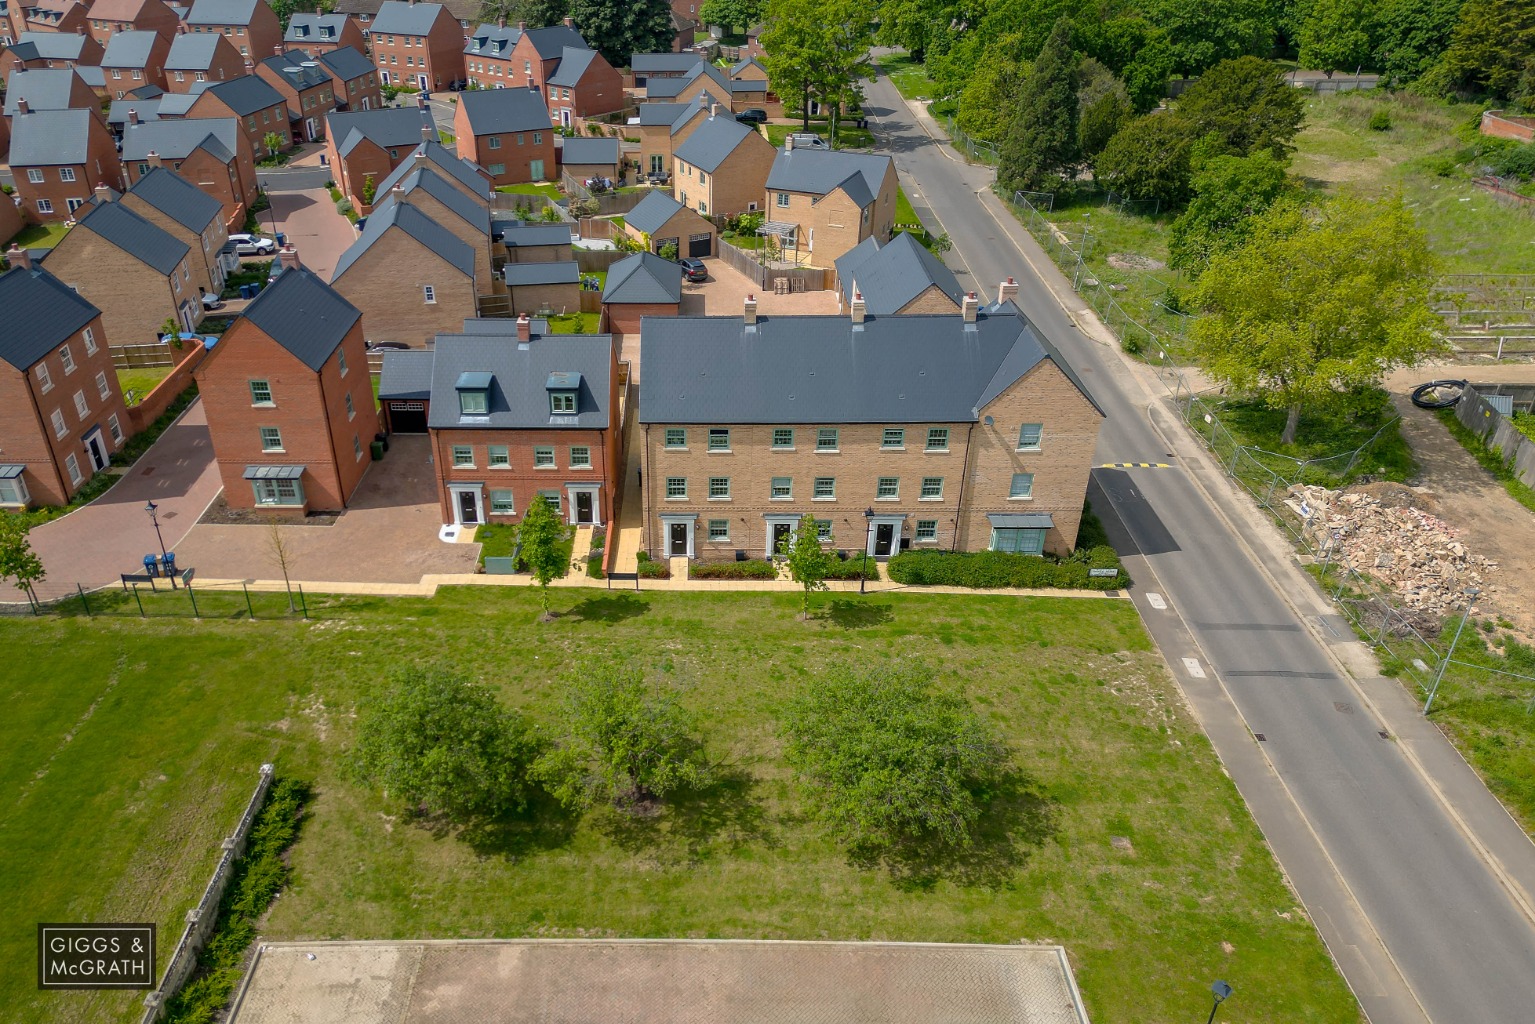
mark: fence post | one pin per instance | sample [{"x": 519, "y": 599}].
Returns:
[
  {"x": 84, "y": 603},
  {"x": 195, "y": 613},
  {"x": 248, "y": 609}
]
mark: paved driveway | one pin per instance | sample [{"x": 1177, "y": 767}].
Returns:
[
  {"x": 310, "y": 221},
  {"x": 389, "y": 535},
  {"x": 92, "y": 546}
]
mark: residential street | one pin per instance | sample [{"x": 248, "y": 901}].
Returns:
[{"x": 1422, "y": 924}]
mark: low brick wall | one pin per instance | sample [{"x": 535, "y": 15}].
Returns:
[
  {"x": 1508, "y": 126},
  {"x": 160, "y": 399}
]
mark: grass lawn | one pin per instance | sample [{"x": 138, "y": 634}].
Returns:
[
  {"x": 574, "y": 323},
  {"x": 40, "y": 236},
  {"x": 131, "y": 744},
  {"x": 905, "y": 216},
  {"x": 545, "y": 189},
  {"x": 142, "y": 381},
  {"x": 848, "y": 136},
  {"x": 908, "y": 76},
  {"x": 1323, "y": 435}
]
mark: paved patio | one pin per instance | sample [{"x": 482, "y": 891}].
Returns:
[
  {"x": 726, "y": 291},
  {"x": 389, "y": 535},
  {"x": 658, "y": 981}
]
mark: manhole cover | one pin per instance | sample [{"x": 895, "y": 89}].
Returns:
[
  {"x": 1347, "y": 709},
  {"x": 147, "y": 470},
  {"x": 169, "y": 515},
  {"x": 1260, "y": 737}
]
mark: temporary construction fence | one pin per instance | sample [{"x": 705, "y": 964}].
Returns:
[
  {"x": 181, "y": 597},
  {"x": 974, "y": 150}
]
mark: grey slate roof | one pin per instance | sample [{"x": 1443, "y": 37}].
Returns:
[
  {"x": 741, "y": 65},
  {"x": 42, "y": 88},
  {"x": 445, "y": 163},
  {"x": 146, "y": 242},
  {"x": 40, "y": 312},
  {"x": 178, "y": 199},
  {"x": 491, "y": 111},
  {"x": 246, "y": 94},
  {"x": 591, "y": 151},
  {"x": 146, "y": 92},
  {"x": 54, "y": 45},
  {"x": 820, "y": 171},
  {"x": 643, "y": 277},
  {"x": 192, "y": 51},
  {"x": 520, "y": 275},
  {"x": 129, "y": 49},
  {"x": 537, "y": 234},
  {"x": 291, "y": 66},
  {"x": 464, "y": 11},
  {"x": 651, "y": 212},
  {"x": 304, "y": 315},
  {"x": 406, "y": 375},
  {"x": 427, "y": 180},
  {"x": 891, "y": 275},
  {"x": 314, "y": 28},
  {"x": 222, "y": 12},
  {"x": 574, "y": 60},
  {"x": 25, "y": 51},
  {"x": 47, "y": 138},
  {"x": 438, "y": 239},
  {"x": 661, "y": 113},
  {"x": 823, "y": 369},
  {"x": 649, "y": 63},
  {"x": 713, "y": 141},
  {"x": 748, "y": 85},
  {"x": 701, "y": 104},
  {"x": 92, "y": 76},
  {"x": 176, "y": 139},
  {"x": 387, "y": 127},
  {"x": 661, "y": 88},
  {"x": 550, "y": 42},
  {"x": 518, "y": 397},
  {"x": 400, "y": 18},
  {"x": 492, "y": 40},
  {"x": 176, "y": 104},
  {"x": 346, "y": 63}
]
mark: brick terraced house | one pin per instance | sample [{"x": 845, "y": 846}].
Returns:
[
  {"x": 133, "y": 60},
  {"x": 196, "y": 57},
  {"x": 372, "y": 143},
  {"x": 289, "y": 398},
  {"x": 417, "y": 44},
  {"x": 957, "y": 432},
  {"x": 260, "y": 109},
  {"x": 212, "y": 153},
  {"x": 508, "y": 133},
  {"x": 251, "y": 25},
  {"x": 321, "y": 33},
  {"x": 307, "y": 88},
  {"x": 353, "y": 76},
  {"x": 109, "y": 17},
  {"x": 187, "y": 213}
]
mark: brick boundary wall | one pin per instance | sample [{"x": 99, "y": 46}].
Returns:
[
  {"x": 1501, "y": 126},
  {"x": 201, "y": 918},
  {"x": 157, "y": 401}
]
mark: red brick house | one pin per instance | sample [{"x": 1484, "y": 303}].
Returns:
[
  {"x": 48, "y": 89},
  {"x": 10, "y": 217},
  {"x": 251, "y": 25},
  {"x": 37, "y": 50},
  {"x": 513, "y": 414},
  {"x": 61, "y": 411},
  {"x": 316, "y": 34},
  {"x": 57, "y": 157},
  {"x": 639, "y": 285},
  {"x": 583, "y": 84},
  {"x": 307, "y": 87},
  {"x": 134, "y": 59},
  {"x": 417, "y": 44},
  {"x": 212, "y": 153},
  {"x": 289, "y": 398},
  {"x": 109, "y": 17},
  {"x": 260, "y": 109},
  {"x": 48, "y": 16},
  {"x": 199, "y": 57},
  {"x": 360, "y": 144},
  {"x": 353, "y": 78},
  {"x": 507, "y": 132}
]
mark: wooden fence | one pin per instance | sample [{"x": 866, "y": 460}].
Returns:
[
  {"x": 140, "y": 357},
  {"x": 795, "y": 279},
  {"x": 593, "y": 261}
]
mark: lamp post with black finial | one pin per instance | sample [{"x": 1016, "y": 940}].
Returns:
[
  {"x": 863, "y": 576},
  {"x": 1222, "y": 992}
]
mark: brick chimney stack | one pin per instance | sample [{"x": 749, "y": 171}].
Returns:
[
  {"x": 153, "y": 159},
  {"x": 103, "y": 192},
  {"x": 501, "y": 21},
  {"x": 1007, "y": 291},
  {"x": 288, "y": 257},
  {"x": 532, "y": 84},
  {"x": 22, "y": 106},
  {"x": 522, "y": 26},
  {"x": 971, "y": 306},
  {"x": 133, "y": 115},
  {"x": 19, "y": 257},
  {"x": 859, "y": 307},
  {"x": 569, "y": 22},
  {"x": 750, "y": 311},
  {"x": 788, "y": 143},
  {"x": 278, "y": 51},
  {"x": 524, "y": 329}
]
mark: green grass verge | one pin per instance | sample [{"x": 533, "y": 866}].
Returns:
[
  {"x": 905, "y": 216},
  {"x": 142, "y": 381},
  {"x": 574, "y": 323},
  {"x": 41, "y": 236},
  {"x": 1325, "y": 436},
  {"x": 131, "y": 745},
  {"x": 1490, "y": 459},
  {"x": 848, "y": 136},
  {"x": 531, "y": 190},
  {"x": 908, "y": 76}
]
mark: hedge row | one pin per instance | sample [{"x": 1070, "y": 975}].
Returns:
[
  {"x": 852, "y": 568},
  {"x": 992, "y": 569},
  {"x": 750, "y": 569},
  {"x": 651, "y": 570}
]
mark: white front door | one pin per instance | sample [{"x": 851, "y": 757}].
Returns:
[
  {"x": 780, "y": 528},
  {"x": 467, "y": 507},
  {"x": 565, "y": 116}
]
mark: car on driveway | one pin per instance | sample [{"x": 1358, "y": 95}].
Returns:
[
  {"x": 752, "y": 115},
  {"x": 808, "y": 140},
  {"x": 693, "y": 269},
  {"x": 211, "y": 301},
  {"x": 253, "y": 245}
]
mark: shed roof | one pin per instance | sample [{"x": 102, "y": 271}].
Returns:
[
  {"x": 536, "y": 234},
  {"x": 520, "y": 275},
  {"x": 643, "y": 277},
  {"x": 591, "y": 151},
  {"x": 653, "y": 211},
  {"x": 304, "y": 315},
  {"x": 40, "y": 313}
]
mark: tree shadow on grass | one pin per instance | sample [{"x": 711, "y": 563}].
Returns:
[
  {"x": 691, "y": 827},
  {"x": 858, "y": 614},
  {"x": 614, "y": 608},
  {"x": 544, "y": 825},
  {"x": 1017, "y": 819}
]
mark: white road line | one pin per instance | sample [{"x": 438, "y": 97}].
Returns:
[{"x": 1195, "y": 670}]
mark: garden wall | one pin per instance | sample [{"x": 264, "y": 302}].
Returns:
[
  {"x": 160, "y": 399},
  {"x": 1497, "y": 431},
  {"x": 1508, "y": 126}
]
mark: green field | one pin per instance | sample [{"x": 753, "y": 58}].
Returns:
[
  {"x": 908, "y": 76},
  {"x": 132, "y": 744},
  {"x": 551, "y": 191}
]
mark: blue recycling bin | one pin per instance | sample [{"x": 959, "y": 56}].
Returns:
[
  {"x": 169, "y": 563},
  {"x": 151, "y": 566},
  {"x": 247, "y": 291},
  {"x": 282, "y": 239}
]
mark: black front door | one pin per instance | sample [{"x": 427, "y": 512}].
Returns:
[
  {"x": 679, "y": 539},
  {"x": 98, "y": 456},
  {"x": 583, "y": 506},
  {"x": 781, "y": 533},
  {"x": 884, "y": 539},
  {"x": 468, "y": 509}
]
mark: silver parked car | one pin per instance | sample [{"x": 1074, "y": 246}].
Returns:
[{"x": 253, "y": 245}]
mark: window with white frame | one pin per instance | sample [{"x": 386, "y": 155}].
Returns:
[
  {"x": 825, "y": 488},
  {"x": 89, "y": 337},
  {"x": 278, "y": 492},
  {"x": 67, "y": 173},
  {"x": 719, "y": 530},
  {"x": 356, "y": 445},
  {"x": 676, "y": 437},
  {"x": 826, "y": 439},
  {"x": 82, "y": 408},
  {"x": 719, "y": 439},
  {"x": 932, "y": 488},
  {"x": 102, "y": 387},
  {"x": 261, "y": 392},
  {"x": 543, "y": 458},
  {"x": 473, "y": 402},
  {"x": 500, "y": 456},
  {"x": 562, "y": 403},
  {"x": 823, "y": 530},
  {"x": 495, "y": 142},
  {"x": 463, "y": 456},
  {"x": 341, "y": 362},
  {"x": 888, "y": 488},
  {"x": 580, "y": 457},
  {"x": 501, "y": 503},
  {"x": 783, "y": 438},
  {"x": 719, "y": 488},
  {"x": 1022, "y": 487},
  {"x": 73, "y": 465},
  {"x": 35, "y": 175},
  {"x": 14, "y": 492},
  {"x": 937, "y": 439},
  {"x": 1029, "y": 435},
  {"x": 783, "y": 200},
  {"x": 782, "y": 488},
  {"x": 67, "y": 358},
  {"x": 60, "y": 428},
  {"x": 271, "y": 439},
  {"x": 676, "y": 487},
  {"x": 429, "y": 294},
  {"x": 44, "y": 379},
  {"x": 927, "y": 530},
  {"x": 496, "y": 168},
  {"x": 115, "y": 429},
  {"x": 45, "y": 206},
  {"x": 893, "y": 437}
]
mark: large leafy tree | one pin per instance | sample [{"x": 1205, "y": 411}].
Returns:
[
  {"x": 437, "y": 741},
  {"x": 1411, "y": 36},
  {"x": 983, "y": 105},
  {"x": 1040, "y": 150},
  {"x": 1229, "y": 191},
  {"x": 618, "y": 29},
  {"x": 1204, "y": 33},
  {"x": 1148, "y": 159},
  {"x": 1132, "y": 48},
  {"x": 1103, "y": 107},
  {"x": 818, "y": 49},
  {"x": 625, "y": 743},
  {"x": 1318, "y": 303},
  {"x": 913, "y": 25},
  {"x": 1493, "y": 49},
  {"x": 1337, "y": 35},
  {"x": 741, "y": 14},
  {"x": 1247, "y": 104},
  {"x": 896, "y": 762}
]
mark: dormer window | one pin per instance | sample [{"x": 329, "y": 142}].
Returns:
[
  {"x": 563, "y": 388},
  {"x": 562, "y": 402},
  {"x": 474, "y": 393}
]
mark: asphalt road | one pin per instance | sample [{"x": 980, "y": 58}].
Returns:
[{"x": 1419, "y": 922}]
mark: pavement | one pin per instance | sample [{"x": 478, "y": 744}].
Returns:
[
  {"x": 1416, "y": 878},
  {"x": 309, "y": 220}
]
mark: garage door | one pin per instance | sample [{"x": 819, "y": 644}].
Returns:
[
  {"x": 407, "y": 417},
  {"x": 701, "y": 245}
]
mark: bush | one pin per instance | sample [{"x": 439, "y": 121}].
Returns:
[
  {"x": 992, "y": 569},
  {"x": 1517, "y": 163},
  {"x": 852, "y": 568},
  {"x": 650, "y": 570},
  {"x": 1380, "y": 121},
  {"x": 751, "y": 569},
  {"x": 344, "y": 206}
]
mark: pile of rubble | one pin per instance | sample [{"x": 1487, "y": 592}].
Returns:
[{"x": 1414, "y": 553}]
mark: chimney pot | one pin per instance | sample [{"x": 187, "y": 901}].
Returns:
[
  {"x": 859, "y": 308},
  {"x": 19, "y": 257},
  {"x": 714, "y": 109},
  {"x": 1007, "y": 291},
  {"x": 750, "y": 311},
  {"x": 569, "y": 22},
  {"x": 277, "y": 51},
  {"x": 288, "y": 257},
  {"x": 971, "y": 306},
  {"x": 522, "y": 26},
  {"x": 524, "y": 329},
  {"x": 788, "y": 143},
  {"x": 133, "y": 115},
  {"x": 501, "y": 21}
]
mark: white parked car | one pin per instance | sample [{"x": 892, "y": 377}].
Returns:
[{"x": 253, "y": 245}]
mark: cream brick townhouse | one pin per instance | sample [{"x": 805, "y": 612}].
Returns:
[{"x": 963, "y": 431}]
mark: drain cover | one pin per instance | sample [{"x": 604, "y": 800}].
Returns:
[
  {"x": 1347, "y": 709},
  {"x": 1260, "y": 737}
]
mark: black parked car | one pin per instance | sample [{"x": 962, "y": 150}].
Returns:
[
  {"x": 752, "y": 115},
  {"x": 693, "y": 269}
]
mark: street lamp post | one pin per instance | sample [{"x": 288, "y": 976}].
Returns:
[
  {"x": 1221, "y": 991},
  {"x": 266, "y": 187},
  {"x": 150, "y": 508},
  {"x": 1433, "y": 691},
  {"x": 868, "y": 515}
]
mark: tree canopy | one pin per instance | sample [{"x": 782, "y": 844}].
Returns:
[
  {"x": 1103, "y": 107},
  {"x": 1492, "y": 49},
  {"x": 808, "y": 562},
  {"x": 818, "y": 49},
  {"x": 1040, "y": 150},
  {"x": 741, "y": 14},
  {"x": 617, "y": 29},
  {"x": 540, "y": 535},
  {"x": 1337, "y": 35},
  {"x": 18, "y": 562},
  {"x": 1229, "y": 191},
  {"x": 1318, "y": 303},
  {"x": 1247, "y": 104},
  {"x": 1148, "y": 159}
]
